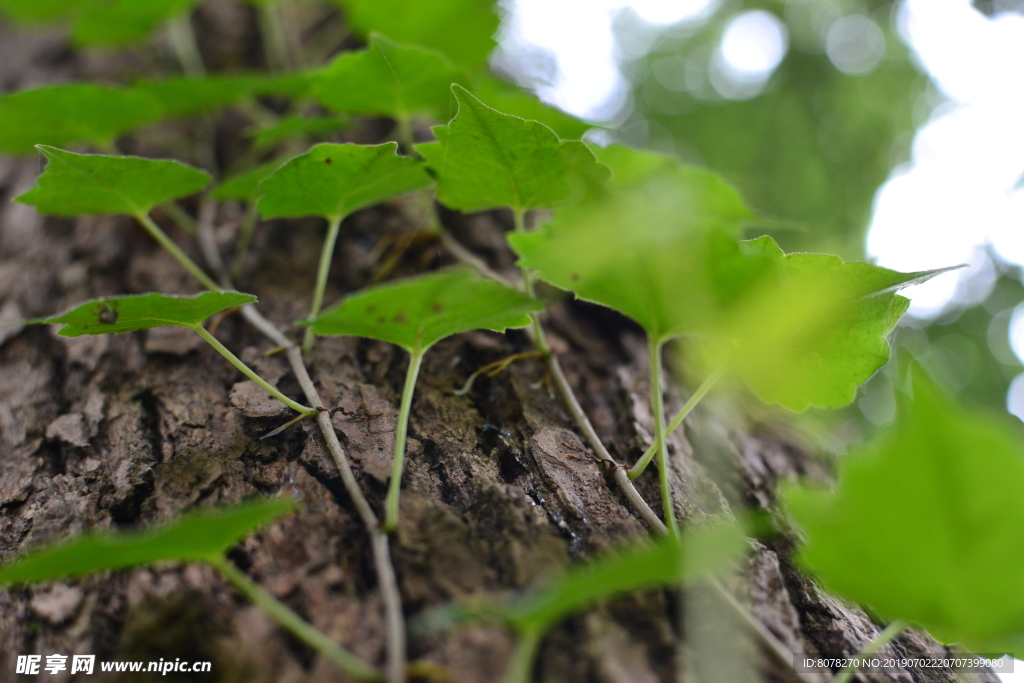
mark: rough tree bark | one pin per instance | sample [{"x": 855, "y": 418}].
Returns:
[{"x": 99, "y": 432}]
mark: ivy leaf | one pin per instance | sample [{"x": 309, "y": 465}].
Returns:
[
  {"x": 187, "y": 96},
  {"x": 418, "y": 312},
  {"x": 662, "y": 251},
  {"x": 245, "y": 186},
  {"x": 144, "y": 311},
  {"x": 333, "y": 180},
  {"x": 815, "y": 334},
  {"x": 389, "y": 79},
  {"x": 511, "y": 99},
  {"x": 484, "y": 159},
  {"x": 81, "y": 184},
  {"x": 462, "y": 29},
  {"x": 72, "y": 113},
  {"x": 927, "y": 523},
  {"x": 197, "y": 537},
  {"x": 123, "y": 22}
]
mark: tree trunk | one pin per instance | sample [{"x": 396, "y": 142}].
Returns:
[{"x": 500, "y": 491}]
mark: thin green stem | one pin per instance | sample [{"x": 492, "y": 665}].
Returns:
[
  {"x": 391, "y": 503},
  {"x": 880, "y": 641},
  {"x": 520, "y": 666},
  {"x": 403, "y": 133},
  {"x": 658, "y": 408},
  {"x": 275, "y": 40},
  {"x": 234, "y": 360},
  {"x": 181, "y": 257},
  {"x": 292, "y": 622},
  {"x": 186, "y": 49},
  {"x": 321, "y": 278},
  {"x": 245, "y": 235},
  {"x": 519, "y": 220},
  {"x": 179, "y": 216},
  {"x": 702, "y": 390}
]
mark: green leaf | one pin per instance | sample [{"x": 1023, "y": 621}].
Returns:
[
  {"x": 292, "y": 127},
  {"x": 143, "y": 311},
  {"x": 662, "y": 251},
  {"x": 485, "y": 159},
  {"x": 462, "y": 29},
  {"x": 197, "y": 537},
  {"x": 418, "y": 312},
  {"x": 511, "y": 99},
  {"x": 123, "y": 22},
  {"x": 72, "y": 113},
  {"x": 185, "y": 96},
  {"x": 334, "y": 180},
  {"x": 389, "y": 79},
  {"x": 818, "y": 331},
  {"x": 37, "y": 11},
  {"x": 927, "y": 523},
  {"x": 80, "y": 184},
  {"x": 630, "y": 166},
  {"x": 245, "y": 186}
]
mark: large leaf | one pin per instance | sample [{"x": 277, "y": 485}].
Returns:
[
  {"x": 143, "y": 311},
  {"x": 334, "y": 180},
  {"x": 485, "y": 159},
  {"x": 185, "y": 96},
  {"x": 462, "y": 29},
  {"x": 818, "y": 331},
  {"x": 72, "y": 113},
  {"x": 198, "y": 537},
  {"x": 418, "y": 312},
  {"x": 662, "y": 251},
  {"x": 927, "y": 524},
  {"x": 389, "y": 79},
  {"x": 80, "y": 184},
  {"x": 122, "y": 22},
  {"x": 511, "y": 99}
]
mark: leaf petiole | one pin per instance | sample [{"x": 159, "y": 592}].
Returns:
[
  {"x": 520, "y": 667},
  {"x": 702, "y": 390},
  {"x": 174, "y": 250},
  {"x": 234, "y": 360},
  {"x": 658, "y": 408},
  {"x": 394, "y": 487},
  {"x": 290, "y": 621},
  {"x": 321, "y": 278}
]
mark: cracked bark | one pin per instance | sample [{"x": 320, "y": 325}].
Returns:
[{"x": 500, "y": 491}]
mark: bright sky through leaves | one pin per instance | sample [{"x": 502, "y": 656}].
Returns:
[
  {"x": 84, "y": 184},
  {"x": 418, "y": 312}
]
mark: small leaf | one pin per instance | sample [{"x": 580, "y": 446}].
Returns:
[
  {"x": 511, "y": 99},
  {"x": 389, "y": 79},
  {"x": 818, "y": 331},
  {"x": 485, "y": 159},
  {"x": 70, "y": 114},
  {"x": 82, "y": 184},
  {"x": 143, "y": 311},
  {"x": 197, "y": 537},
  {"x": 927, "y": 523},
  {"x": 662, "y": 251},
  {"x": 462, "y": 29},
  {"x": 418, "y": 312},
  {"x": 334, "y": 180},
  {"x": 295, "y": 127},
  {"x": 123, "y": 22},
  {"x": 245, "y": 186},
  {"x": 187, "y": 96}
]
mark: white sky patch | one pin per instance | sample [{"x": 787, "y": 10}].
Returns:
[{"x": 753, "y": 44}]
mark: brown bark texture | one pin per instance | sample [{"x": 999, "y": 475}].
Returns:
[{"x": 500, "y": 491}]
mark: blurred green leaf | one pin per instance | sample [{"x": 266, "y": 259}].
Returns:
[
  {"x": 418, "y": 312},
  {"x": 37, "y": 11},
  {"x": 114, "y": 315},
  {"x": 389, "y": 79},
  {"x": 123, "y": 22},
  {"x": 485, "y": 159},
  {"x": 292, "y": 127},
  {"x": 662, "y": 250},
  {"x": 927, "y": 523},
  {"x": 245, "y": 186},
  {"x": 186, "y": 96},
  {"x": 461, "y": 29},
  {"x": 198, "y": 537},
  {"x": 72, "y": 113},
  {"x": 332, "y": 180},
  {"x": 82, "y": 184}
]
